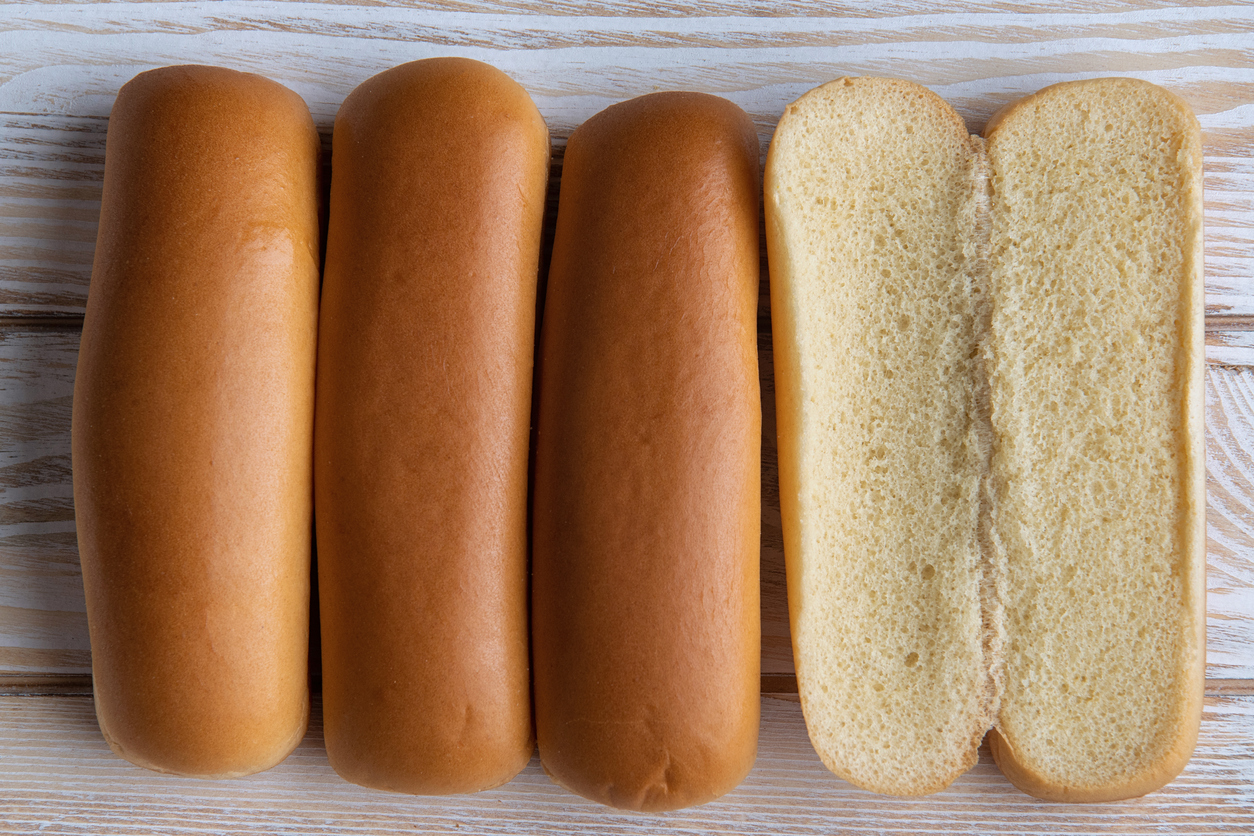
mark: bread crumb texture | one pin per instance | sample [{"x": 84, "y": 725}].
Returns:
[
  {"x": 983, "y": 361},
  {"x": 1088, "y": 370},
  {"x": 875, "y": 186}
]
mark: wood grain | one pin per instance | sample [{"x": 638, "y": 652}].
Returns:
[
  {"x": 62, "y": 64},
  {"x": 43, "y": 621},
  {"x": 1230, "y": 344},
  {"x": 1229, "y": 522},
  {"x": 51, "y": 170},
  {"x": 59, "y": 776}
]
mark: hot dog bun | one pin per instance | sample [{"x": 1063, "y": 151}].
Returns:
[
  {"x": 423, "y": 417},
  {"x": 872, "y": 192},
  {"x": 1095, "y": 366},
  {"x": 988, "y": 377},
  {"x": 646, "y": 510},
  {"x": 193, "y": 422}
]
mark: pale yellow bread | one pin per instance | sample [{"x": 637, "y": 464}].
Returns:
[
  {"x": 988, "y": 390},
  {"x": 872, "y": 188},
  {"x": 1095, "y": 353}
]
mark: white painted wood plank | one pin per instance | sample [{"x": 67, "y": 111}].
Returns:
[
  {"x": 68, "y": 60},
  {"x": 1230, "y": 522},
  {"x": 57, "y": 775},
  {"x": 693, "y": 8},
  {"x": 43, "y": 628},
  {"x": 51, "y": 169},
  {"x": 60, "y": 67},
  {"x": 1230, "y": 347},
  {"x": 43, "y": 622},
  {"x": 1228, "y": 187}
]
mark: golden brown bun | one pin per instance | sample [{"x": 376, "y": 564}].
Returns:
[
  {"x": 424, "y": 398},
  {"x": 646, "y": 510},
  {"x": 193, "y": 421}
]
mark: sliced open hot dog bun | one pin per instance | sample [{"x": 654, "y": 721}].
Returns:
[{"x": 988, "y": 377}]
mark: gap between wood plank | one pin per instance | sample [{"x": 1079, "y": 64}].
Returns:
[{"x": 67, "y": 322}]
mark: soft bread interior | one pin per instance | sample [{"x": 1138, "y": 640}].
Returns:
[
  {"x": 1092, "y": 361},
  {"x": 875, "y": 187},
  {"x": 987, "y": 373}
]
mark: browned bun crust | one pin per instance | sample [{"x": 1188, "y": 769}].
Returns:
[
  {"x": 424, "y": 398},
  {"x": 1155, "y": 776},
  {"x": 193, "y": 419},
  {"x": 645, "y": 614}
]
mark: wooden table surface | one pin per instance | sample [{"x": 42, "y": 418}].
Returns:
[{"x": 61, "y": 65}]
